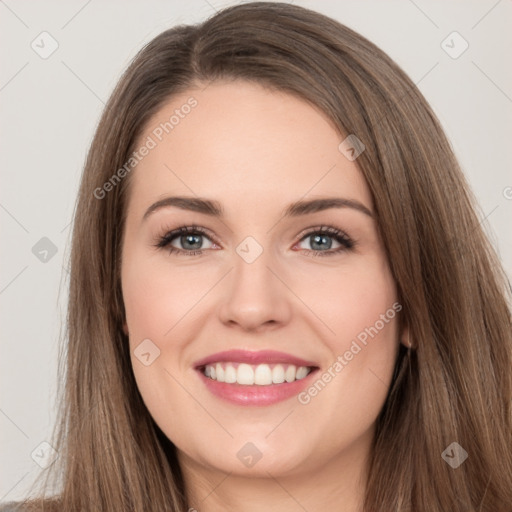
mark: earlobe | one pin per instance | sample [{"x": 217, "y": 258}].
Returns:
[{"x": 405, "y": 338}]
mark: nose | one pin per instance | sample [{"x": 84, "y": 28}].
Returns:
[{"x": 254, "y": 298}]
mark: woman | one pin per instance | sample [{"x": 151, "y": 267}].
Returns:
[{"x": 281, "y": 297}]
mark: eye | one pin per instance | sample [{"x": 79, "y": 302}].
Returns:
[
  {"x": 187, "y": 240},
  {"x": 322, "y": 239}
]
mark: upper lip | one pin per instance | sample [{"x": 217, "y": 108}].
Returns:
[{"x": 253, "y": 357}]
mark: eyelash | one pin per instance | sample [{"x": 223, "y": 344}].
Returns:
[{"x": 346, "y": 242}]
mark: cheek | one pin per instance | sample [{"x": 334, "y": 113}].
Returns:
[
  {"x": 157, "y": 296},
  {"x": 157, "y": 299},
  {"x": 359, "y": 306},
  {"x": 349, "y": 299},
  {"x": 160, "y": 302}
]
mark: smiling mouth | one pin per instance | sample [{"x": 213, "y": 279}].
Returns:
[{"x": 255, "y": 374}]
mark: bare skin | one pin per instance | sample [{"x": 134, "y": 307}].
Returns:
[{"x": 255, "y": 152}]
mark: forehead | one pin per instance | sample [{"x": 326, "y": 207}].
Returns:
[{"x": 246, "y": 144}]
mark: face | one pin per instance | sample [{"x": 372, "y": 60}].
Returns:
[{"x": 278, "y": 287}]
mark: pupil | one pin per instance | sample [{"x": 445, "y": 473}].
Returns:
[
  {"x": 318, "y": 239},
  {"x": 194, "y": 240}
]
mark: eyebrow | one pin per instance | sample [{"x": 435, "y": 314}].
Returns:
[{"x": 214, "y": 208}]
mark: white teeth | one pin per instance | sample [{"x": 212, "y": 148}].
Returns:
[
  {"x": 220, "y": 372},
  {"x": 245, "y": 374},
  {"x": 229, "y": 374},
  {"x": 302, "y": 372},
  {"x": 290, "y": 373},
  {"x": 278, "y": 374},
  {"x": 261, "y": 374}
]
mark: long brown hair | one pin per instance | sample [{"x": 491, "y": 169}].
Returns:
[{"x": 456, "y": 383}]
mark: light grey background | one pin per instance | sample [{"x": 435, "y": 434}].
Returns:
[{"x": 50, "y": 107}]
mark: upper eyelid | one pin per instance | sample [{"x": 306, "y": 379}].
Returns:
[
  {"x": 172, "y": 234},
  {"x": 331, "y": 230}
]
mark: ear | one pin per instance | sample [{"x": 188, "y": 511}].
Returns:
[
  {"x": 125, "y": 328},
  {"x": 405, "y": 337}
]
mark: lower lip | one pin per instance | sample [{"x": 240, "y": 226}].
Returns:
[{"x": 240, "y": 394}]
